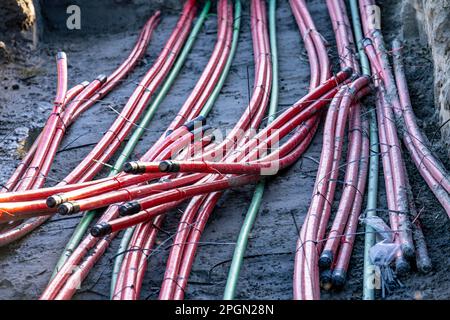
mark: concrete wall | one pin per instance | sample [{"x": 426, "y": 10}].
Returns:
[
  {"x": 19, "y": 17},
  {"x": 39, "y": 20},
  {"x": 105, "y": 16}
]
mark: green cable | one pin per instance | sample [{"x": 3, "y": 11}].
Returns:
[
  {"x": 241, "y": 244},
  {"x": 156, "y": 103},
  {"x": 205, "y": 111},
  {"x": 273, "y": 47},
  {"x": 372, "y": 196},
  {"x": 365, "y": 65},
  {"x": 134, "y": 139}
]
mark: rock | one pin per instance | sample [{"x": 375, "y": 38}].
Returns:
[
  {"x": 17, "y": 14},
  {"x": 5, "y": 54},
  {"x": 5, "y": 283},
  {"x": 20, "y": 18}
]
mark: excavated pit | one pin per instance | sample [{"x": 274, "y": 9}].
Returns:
[{"x": 26, "y": 92}]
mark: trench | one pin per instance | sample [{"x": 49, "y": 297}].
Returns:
[{"x": 98, "y": 48}]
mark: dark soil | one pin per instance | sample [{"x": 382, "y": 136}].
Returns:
[{"x": 27, "y": 88}]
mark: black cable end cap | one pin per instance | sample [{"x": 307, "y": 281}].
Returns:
[
  {"x": 129, "y": 208},
  {"x": 54, "y": 201},
  {"x": 424, "y": 266},
  {"x": 402, "y": 266},
  {"x": 164, "y": 166},
  {"x": 326, "y": 279},
  {"x": 101, "y": 229},
  {"x": 339, "y": 278},
  {"x": 128, "y": 167},
  {"x": 133, "y": 167},
  {"x": 102, "y": 78},
  {"x": 190, "y": 125},
  {"x": 168, "y": 166},
  {"x": 65, "y": 209},
  {"x": 51, "y": 202},
  {"x": 408, "y": 251},
  {"x": 326, "y": 259},
  {"x": 68, "y": 208}
]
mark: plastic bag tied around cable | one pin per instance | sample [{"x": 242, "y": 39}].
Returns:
[
  {"x": 384, "y": 232},
  {"x": 382, "y": 255}
]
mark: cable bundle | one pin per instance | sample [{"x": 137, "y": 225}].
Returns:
[{"x": 189, "y": 164}]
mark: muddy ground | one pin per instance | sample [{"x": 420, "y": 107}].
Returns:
[{"x": 27, "y": 89}]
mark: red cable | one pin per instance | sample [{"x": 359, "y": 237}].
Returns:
[{"x": 58, "y": 282}]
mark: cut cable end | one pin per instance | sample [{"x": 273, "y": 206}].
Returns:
[
  {"x": 133, "y": 168},
  {"x": 326, "y": 259},
  {"x": 424, "y": 266},
  {"x": 339, "y": 278},
  {"x": 68, "y": 208},
  {"x": 408, "y": 251},
  {"x": 129, "y": 208},
  {"x": 55, "y": 200},
  {"x": 101, "y": 229},
  {"x": 402, "y": 266},
  {"x": 168, "y": 166},
  {"x": 102, "y": 78}
]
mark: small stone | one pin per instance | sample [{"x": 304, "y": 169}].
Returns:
[
  {"x": 5, "y": 54},
  {"x": 15, "y": 86}
]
